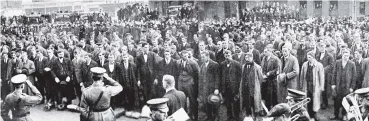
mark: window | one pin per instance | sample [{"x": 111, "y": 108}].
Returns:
[
  {"x": 318, "y": 4},
  {"x": 303, "y": 4},
  {"x": 333, "y": 5},
  {"x": 362, "y": 8}
]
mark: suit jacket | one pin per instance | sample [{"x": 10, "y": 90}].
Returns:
[
  {"x": 114, "y": 74},
  {"x": 344, "y": 77},
  {"x": 183, "y": 47},
  {"x": 163, "y": 68},
  {"x": 77, "y": 73},
  {"x": 62, "y": 69},
  {"x": 327, "y": 62},
  {"x": 86, "y": 73},
  {"x": 100, "y": 64},
  {"x": 271, "y": 66},
  {"x": 4, "y": 69},
  {"x": 318, "y": 82},
  {"x": 239, "y": 59},
  {"x": 177, "y": 100},
  {"x": 146, "y": 69},
  {"x": 290, "y": 67},
  {"x": 359, "y": 73},
  {"x": 231, "y": 74},
  {"x": 40, "y": 66},
  {"x": 365, "y": 72},
  {"x": 208, "y": 80}
]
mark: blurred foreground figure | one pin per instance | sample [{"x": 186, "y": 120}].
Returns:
[{"x": 19, "y": 103}]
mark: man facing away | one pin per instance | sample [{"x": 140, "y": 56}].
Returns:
[{"x": 177, "y": 99}]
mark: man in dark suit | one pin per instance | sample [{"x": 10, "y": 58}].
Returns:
[
  {"x": 239, "y": 56},
  {"x": 62, "y": 73},
  {"x": 230, "y": 79},
  {"x": 102, "y": 60},
  {"x": 208, "y": 83},
  {"x": 5, "y": 84},
  {"x": 327, "y": 60},
  {"x": 85, "y": 71},
  {"x": 188, "y": 81},
  {"x": 219, "y": 54},
  {"x": 145, "y": 69},
  {"x": 256, "y": 53},
  {"x": 270, "y": 65},
  {"x": 50, "y": 83},
  {"x": 358, "y": 59},
  {"x": 343, "y": 80},
  {"x": 184, "y": 44},
  {"x": 40, "y": 65},
  {"x": 177, "y": 99},
  {"x": 166, "y": 66}
]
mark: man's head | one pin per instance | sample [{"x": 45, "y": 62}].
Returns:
[
  {"x": 167, "y": 54},
  {"x": 358, "y": 54},
  {"x": 228, "y": 54},
  {"x": 88, "y": 57},
  {"x": 268, "y": 51},
  {"x": 311, "y": 56},
  {"x": 145, "y": 47},
  {"x": 345, "y": 54},
  {"x": 60, "y": 54},
  {"x": 202, "y": 46},
  {"x": 249, "y": 57},
  {"x": 204, "y": 56},
  {"x": 101, "y": 55},
  {"x": 111, "y": 58},
  {"x": 321, "y": 46},
  {"x": 125, "y": 57},
  {"x": 168, "y": 81},
  {"x": 185, "y": 54}
]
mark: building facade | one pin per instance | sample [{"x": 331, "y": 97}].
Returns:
[{"x": 307, "y": 8}]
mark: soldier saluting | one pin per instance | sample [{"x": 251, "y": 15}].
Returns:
[{"x": 19, "y": 103}]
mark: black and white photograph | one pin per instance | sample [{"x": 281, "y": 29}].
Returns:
[{"x": 184, "y": 60}]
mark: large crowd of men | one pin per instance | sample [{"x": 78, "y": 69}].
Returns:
[{"x": 248, "y": 63}]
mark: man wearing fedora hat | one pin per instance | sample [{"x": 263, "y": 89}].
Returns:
[{"x": 19, "y": 103}]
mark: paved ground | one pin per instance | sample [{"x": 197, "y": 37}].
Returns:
[{"x": 38, "y": 114}]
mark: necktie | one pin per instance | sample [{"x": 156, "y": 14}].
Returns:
[{"x": 6, "y": 60}]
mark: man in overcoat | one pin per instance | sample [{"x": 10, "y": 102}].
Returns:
[
  {"x": 188, "y": 81},
  {"x": 229, "y": 84},
  {"x": 325, "y": 58},
  {"x": 312, "y": 76},
  {"x": 208, "y": 82},
  {"x": 270, "y": 65},
  {"x": 177, "y": 99},
  {"x": 343, "y": 80},
  {"x": 289, "y": 74}
]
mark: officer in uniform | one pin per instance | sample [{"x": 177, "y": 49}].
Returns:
[
  {"x": 293, "y": 97},
  {"x": 96, "y": 98},
  {"x": 19, "y": 103},
  {"x": 159, "y": 109},
  {"x": 279, "y": 112},
  {"x": 363, "y": 100}
]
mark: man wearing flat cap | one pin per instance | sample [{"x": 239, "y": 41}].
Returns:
[{"x": 19, "y": 103}]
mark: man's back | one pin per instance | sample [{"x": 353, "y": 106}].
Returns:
[{"x": 177, "y": 100}]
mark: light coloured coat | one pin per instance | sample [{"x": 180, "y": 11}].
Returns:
[{"x": 318, "y": 82}]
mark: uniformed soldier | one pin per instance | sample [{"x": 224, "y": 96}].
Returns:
[
  {"x": 279, "y": 112},
  {"x": 363, "y": 100},
  {"x": 159, "y": 109},
  {"x": 96, "y": 98},
  {"x": 19, "y": 103},
  {"x": 293, "y": 97}
]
